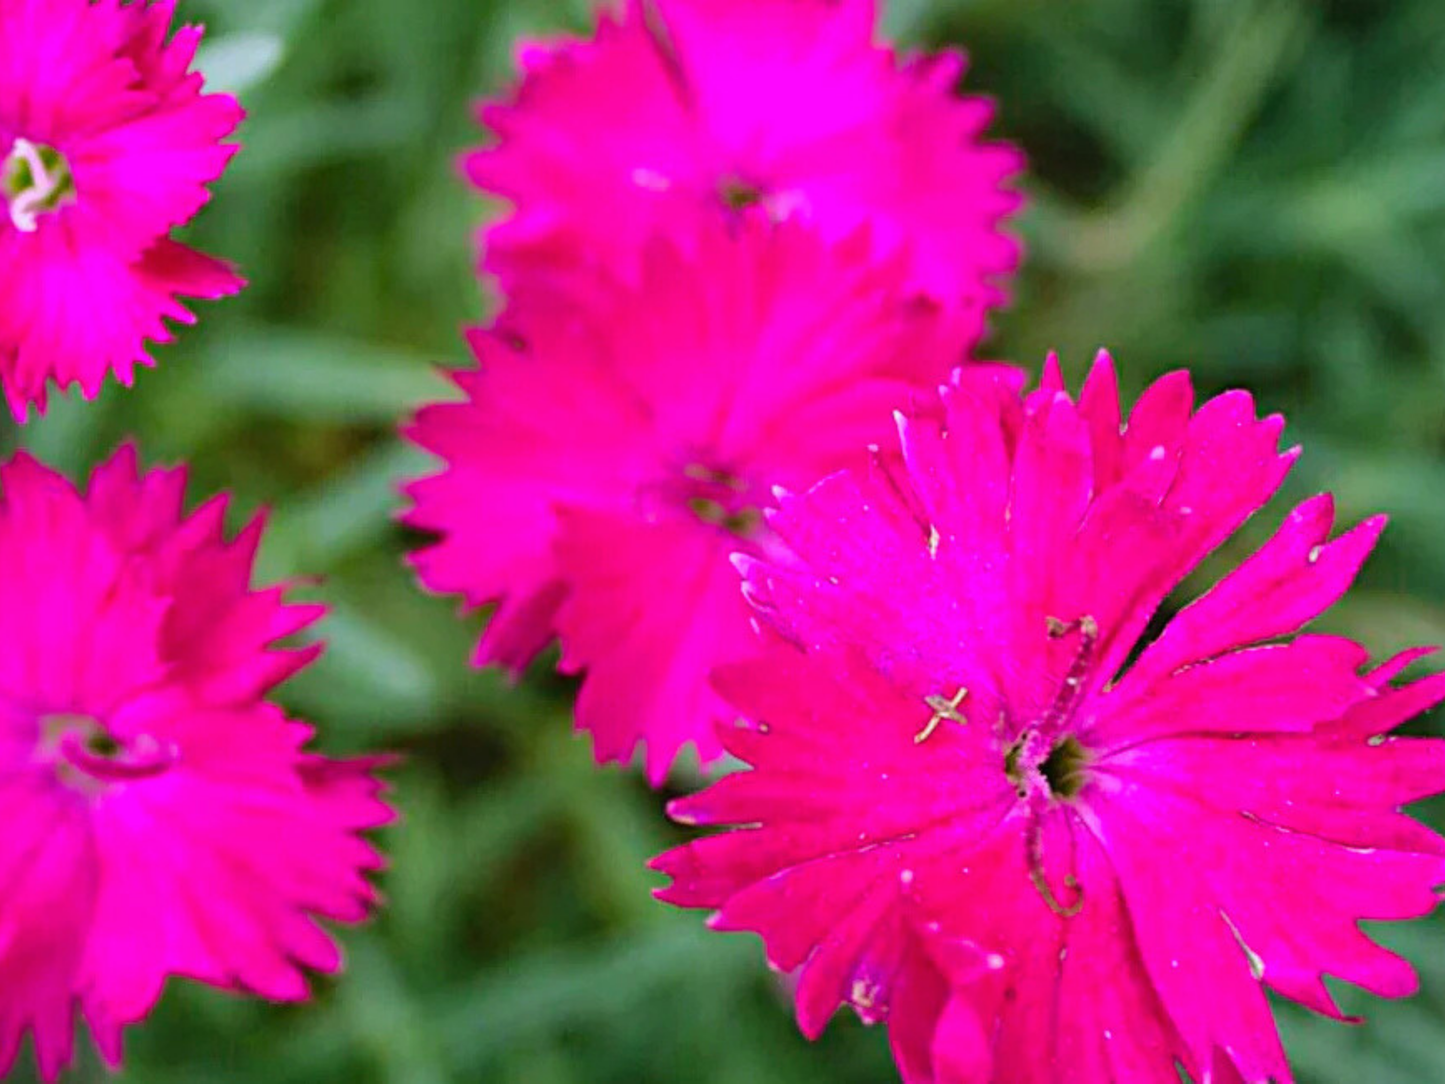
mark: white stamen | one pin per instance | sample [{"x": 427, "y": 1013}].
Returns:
[{"x": 27, "y": 205}]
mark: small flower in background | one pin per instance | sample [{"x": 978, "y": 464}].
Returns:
[
  {"x": 162, "y": 817},
  {"x": 612, "y": 452},
  {"x": 677, "y": 109},
  {"x": 971, "y": 816},
  {"x": 106, "y": 145}
]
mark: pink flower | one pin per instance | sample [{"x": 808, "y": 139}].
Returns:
[
  {"x": 162, "y": 817},
  {"x": 610, "y": 455},
  {"x": 682, "y": 108},
  {"x": 106, "y": 145},
  {"x": 970, "y": 815}
]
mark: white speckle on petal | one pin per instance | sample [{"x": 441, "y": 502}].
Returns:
[{"x": 650, "y": 179}]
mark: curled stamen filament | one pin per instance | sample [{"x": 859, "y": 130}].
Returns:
[
  {"x": 1034, "y": 841},
  {"x": 1073, "y": 685},
  {"x": 27, "y": 204}
]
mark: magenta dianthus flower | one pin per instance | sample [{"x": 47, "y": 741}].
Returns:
[
  {"x": 677, "y": 109},
  {"x": 970, "y": 815},
  {"x": 605, "y": 463},
  {"x": 162, "y": 817},
  {"x": 106, "y": 145}
]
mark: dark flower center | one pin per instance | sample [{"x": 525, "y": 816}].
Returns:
[
  {"x": 1045, "y": 759},
  {"x": 1051, "y": 771},
  {"x": 102, "y": 744},
  {"x": 36, "y": 180},
  {"x": 744, "y": 522},
  {"x": 737, "y": 194},
  {"x": 1063, "y": 768},
  {"x": 88, "y": 756},
  {"x": 721, "y": 499}
]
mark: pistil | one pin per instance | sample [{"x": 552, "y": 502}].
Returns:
[
  {"x": 1047, "y": 765},
  {"x": 1071, "y": 689}
]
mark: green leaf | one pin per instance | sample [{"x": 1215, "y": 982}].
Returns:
[
  {"x": 314, "y": 377},
  {"x": 236, "y": 63}
]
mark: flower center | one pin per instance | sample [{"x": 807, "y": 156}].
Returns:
[
  {"x": 36, "y": 180},
  {"x": 1044, "y": 760},
  {"x": 87, "y": 756},
  {"x": 1050, "y": 771},
  {"x": 1047, "y": 764},
  {"x": 737, "y": 194},
  {"x": 721, "y": 499},
  {"x": 1063, "y": 768}
]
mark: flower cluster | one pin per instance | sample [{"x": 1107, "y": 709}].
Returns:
[
  {"x": 746, "y": 263},
  {"x": 718, "y": 285},
  {"x": 636, "y": 443},
  {"x": 164, "y": 816},
  {"x": 107, "y": 144},
  {"x": 730, "y": 445}
]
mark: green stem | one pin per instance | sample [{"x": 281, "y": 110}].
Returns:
[{"x": 1221, "y": 105}]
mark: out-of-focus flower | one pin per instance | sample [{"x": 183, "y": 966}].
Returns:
[
  {"x": 612, "y": 452},
  {"x": 106, "y": 145},
  {"x": 677, "y": 109},
  {"x": 162, "y": 817},
  {"x": 970, "y": 816}
]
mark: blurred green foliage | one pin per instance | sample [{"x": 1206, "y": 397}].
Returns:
[{"x": 1253, "y": 188}]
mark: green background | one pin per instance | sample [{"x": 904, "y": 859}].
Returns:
[{"x": 1252, "y": 188}]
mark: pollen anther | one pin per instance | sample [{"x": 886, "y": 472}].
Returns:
[{"x": 943, "y": 708}]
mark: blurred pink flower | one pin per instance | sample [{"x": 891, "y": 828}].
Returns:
[
  {"x": 106, "y": 145},
  {"x": 612, "y": 452},
  {"x": 968, "y": 814},
  {"x": 677, "y": 109},
  {"x": 162, "y": 817}
]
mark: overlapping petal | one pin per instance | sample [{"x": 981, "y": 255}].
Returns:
[{"x": 611, "y": 453}]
